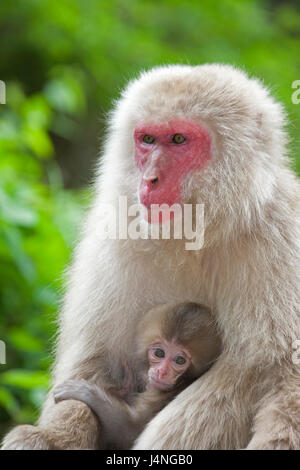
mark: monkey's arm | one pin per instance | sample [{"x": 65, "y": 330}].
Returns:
[{"x": 120, "y": 422}]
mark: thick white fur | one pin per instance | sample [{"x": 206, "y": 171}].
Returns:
[{"x": 248, "y": 272}]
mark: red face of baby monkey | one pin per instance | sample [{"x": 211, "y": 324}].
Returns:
[
  {"x": 168, "y": 361},
  {"x": 164, "y": 154}
]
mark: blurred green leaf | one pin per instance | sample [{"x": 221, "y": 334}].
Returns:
[
  {"x": 13, "y": 212},
  {"x": 23, "y": 340},
  {"x": 7, "y": 401},
  {"x": 36, "y": 112},
  {"x": 38, "y": 141},
  {"x": 24, "y": 378},
  {"x": 65, "y": 94}
]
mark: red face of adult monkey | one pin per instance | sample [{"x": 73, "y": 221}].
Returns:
[{"x": 164, "y": 155}]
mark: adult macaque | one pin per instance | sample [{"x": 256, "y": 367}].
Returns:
[
  {"x": 232, "y": 158},
  {"x": 175, "y": 345}
]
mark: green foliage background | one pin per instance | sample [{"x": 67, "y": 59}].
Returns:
[{"x": 63, "y": 62}]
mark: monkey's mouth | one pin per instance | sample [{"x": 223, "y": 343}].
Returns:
[{"x": 160, "y": 385}]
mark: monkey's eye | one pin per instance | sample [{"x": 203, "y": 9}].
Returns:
[
  {"x": 159, "y": 353},
  {"x": 178, "y": 139},
  {"x": 148, "y": 139},
  {"x": 180, "y": 360}
]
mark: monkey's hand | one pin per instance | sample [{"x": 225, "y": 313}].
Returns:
[
  {"x": 117, "y": 418},
  {"x": 82, "y": 390}
]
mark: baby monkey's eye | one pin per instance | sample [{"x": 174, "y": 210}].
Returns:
[
  {"x": 180, "y": 360},
  {"x": 159, "y": 352},
  {"x": 148, "y": 139},
  {"x": 178, "y": 139}
]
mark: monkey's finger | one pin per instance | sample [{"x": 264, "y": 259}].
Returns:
[
  {"x": 62, "y": 394},
  {"x": 67, "y": 389}
]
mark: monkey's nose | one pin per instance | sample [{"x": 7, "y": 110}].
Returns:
[
  {"x": 154, "y": 181},
  {"x": 151, "y": 183},
  {"x": 151, "y": 177},
  {"x": 162, "y": 373}
]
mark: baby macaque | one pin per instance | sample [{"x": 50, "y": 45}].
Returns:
[{"x": 176, "y": 343}]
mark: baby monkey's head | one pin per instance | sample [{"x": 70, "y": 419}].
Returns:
[{"x": 177, "y": 341}]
